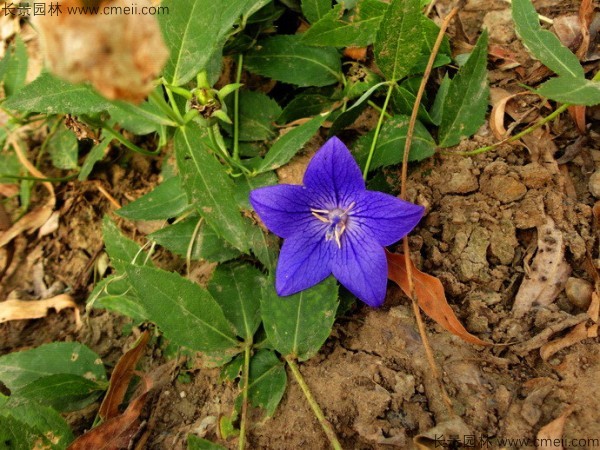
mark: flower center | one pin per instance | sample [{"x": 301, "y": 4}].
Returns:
[{"x": 336, "y": 219}]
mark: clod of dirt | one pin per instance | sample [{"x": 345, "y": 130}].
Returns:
[
  {"x": 594, "y": 184},
  {"x": 579, "y": 292}
]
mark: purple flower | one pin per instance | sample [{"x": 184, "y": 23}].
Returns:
[{"x": 332, "y": 224}]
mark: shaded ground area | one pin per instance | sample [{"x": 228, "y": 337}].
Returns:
[{"x": 482, "y": 236}]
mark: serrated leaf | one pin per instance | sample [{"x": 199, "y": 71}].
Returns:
[
  {"x": 18, "y": 435},
  {"x": 267, "y": 381},
  {"x": 208, "y": 186},
  {"x": 390, "y": 144},
  {"x": 314, "y": 10},
  {"x": 42, "y": 420},
  {"x": 578, "y": 91},
  {"x": 63, "y": 148},
  {"x": 63, "y": 392},
  {"x": 49, "y": 95},
  {"x": 430, "y": 32},
  {"x": 304, "y": 105},
  {"x": 299, "y": 324},
  {"x": 438, "y": 104},
  {"x": 466, "y": 103},
  {"x": 18, "y": 369},
  {"x": 289, "y": 144},
  {"x": 235, "y": 287},
  {"x": 337, "y": 30},
  {"x": 543, "y": 44},
  {"x": 400, "y": 39},
  {"x": 207, "y": 244},
  {"x": 285, "y": 58},
  {"x": 185, "y": 312},
  {"x": 194, "y": 30},
  {"x": 403, "y": 101},
  {"x": 13, "y": 67},
  {"x": 139, "y": 119},
  {"x": 120, "y": 249},
  {"x": 126, "y": 305},
  {"x": 165, "y": 201},
  {"x": 257, "y": 114},
  {"x": 265, "y": 247}
]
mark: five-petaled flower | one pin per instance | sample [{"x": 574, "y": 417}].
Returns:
[{"x": 332, "y": 224}]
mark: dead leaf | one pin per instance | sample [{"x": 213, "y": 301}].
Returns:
[
  {"x": 430, "y": 297},
  {"x": 586, "y": 14},
  {"x": 115, "y": 433},
  {"x": 548, "y": 273},
  {"x": 120, "y": 378},
  {"x": 577, "y": 112},
  {"x": 36, "y": 309},
  {"x": 29, "y": 222},
  {"x": 356, "y": 53},
  {"x": 577, "y": 334},
  {"x": 553, "y": 431},
  {"x": 430, "y": 439},
  {"x": 594, "y": 311},
  {"x": 9, "y": 190},
  {"x": 542, "y": 338},
  {"x": 119, "y": 54}
]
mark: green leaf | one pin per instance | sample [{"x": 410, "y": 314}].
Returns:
[
  {"x": 466, "y": 103},
  {"x": 49, "y": 95},
  {"x": 265, "y": 247},
  {"x": 337, "y": 30},
  {"x": 267, "y": 381},
  {"x": 299, "y": 324},
  {"x": 290, "y": 143},
  {"x": 403, "y": 101},
  {"x": 314, "y": 10},
  {"x": 194, "y": 30},
  {"x": 15, "y": 435},
  {"x": 196, "y": 443},
  {"x": 139, "y": 119},
  {"x": 126, "y": 305},
  {"x": 304, "y": 105},
  {"x": 96, "y": 154},
  {"x": 543, "y": 44},
  {"x": 63, "y": 148},
  {"x": 244, "y": 184},
  {"x": 430, "y": 32},
  {"x": 578, "y": 91},
  {"x": 9, "y": 165},
  {"x": 400, "y": 39},
  {"x": 18, "y": 369},
  {"x": 63, "y": 392},
  {"x": 390, "y": 145},
  {"x": 440, "y": 98},
  {"x": 185, "y": 312},
  {"x": 236, "y": 287},
  {"x": 257, "y": 114},
  {"x": 13, "y": 67},
  {"x": 285, "y": 58},
  {"x": 165, "y": 201},
  {"x": 208, "y": 186},
  {"x": 207, "y": 245},
  {"x": 120, "y": 249},
  {"x": 42, "y": 420}
]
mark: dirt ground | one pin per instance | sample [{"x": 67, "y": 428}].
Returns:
[{"x": 489, "y": 219}]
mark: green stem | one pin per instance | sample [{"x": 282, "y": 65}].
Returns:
[
  {"x": 327, "y": 428},
  {"x": 173, "y": 104},
  {"x": 159, "y": 101},
  {"x": 127, "y": 143},
  {"x": 51, "y": 180},
  {"x": 246, "y": 380},
  {"x": 236, "y": 110},
  {"x": 378, "y": 129},
  {"x": 377, "y": 108}
]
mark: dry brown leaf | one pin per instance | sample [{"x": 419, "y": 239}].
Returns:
[
  {"x": 356, "y": 53},
  {"x": 28, "y": 223},
  {"x": 120, "y": 378},
  {"x": 430, "y": 297},
  {"x": 9, "y": 190},
  {"x": 430, "y": 439},
  {"x": 115, "y": 433},
  {"x": 36, "y": 309},
  {"x": 577, "y": 334},
  {"x": 593, "y": 311},
  {"x": 553, "y": 431},
  {"x": 119, "y": 54},
  {"x": 548, "y": 273},
  {"x": 577, "y": 112}
]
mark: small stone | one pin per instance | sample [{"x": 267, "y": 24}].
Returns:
[
  {"x": 595, "y": 184},
  {"x": 505, "y": 188},
  {"x": 579, "y": 292}
]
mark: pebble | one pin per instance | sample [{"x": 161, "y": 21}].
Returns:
[
  {"x": 595, "y": 184},
  {"x": 579, "y": 292}
]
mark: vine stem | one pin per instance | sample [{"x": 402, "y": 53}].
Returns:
[
  {"x": 127, "y": 143},
  {"x": 245, "y": 377},
  {"x": 411, "y": 283},
  {"x": 378, "y": 128},
  {"x": 327, "y": 428},
  {"x": 236, "y": 109}
]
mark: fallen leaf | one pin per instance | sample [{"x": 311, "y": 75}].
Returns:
[
  {"x": 29, "y": 222},
  {"x": 577, "y": 112},
  {"x": 430, "y": 439},
  {"x": 577, "y": 334},
  {"x": 9, "y": 190},
  {"x": 542, "y": 338},
  {"x": 119, "y": 54},
  {"x": 593, "y": 311},
  {"x": 36, "y": 309},
  {"x": 548, "y": 273},
  {"x": 553, "y": 431},
  {"x": 430, "y": 297},
  {"x": 120, "y": 378}
]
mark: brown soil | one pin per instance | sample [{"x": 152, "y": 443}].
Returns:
[{"x": 372, "y": 379}]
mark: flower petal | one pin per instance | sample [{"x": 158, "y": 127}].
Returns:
[
  {"x": 388, "y": 218},
  {"x": 361, "y": 266},
  {"x": 333, "y": 175},
  {"x": 284, "y": 208},
  {"x": 304, "y": 261}
]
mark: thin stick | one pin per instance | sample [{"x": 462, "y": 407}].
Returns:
[
  {"x": 327, "y": 428},
  {"x": 236, "y": 109},
  {"x": 409, "y": 134}
]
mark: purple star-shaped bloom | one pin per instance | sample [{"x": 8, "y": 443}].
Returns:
[{"x": 332, "y": 224}]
